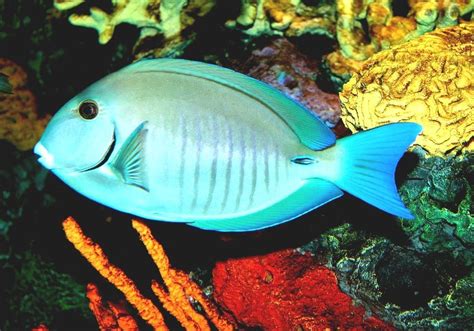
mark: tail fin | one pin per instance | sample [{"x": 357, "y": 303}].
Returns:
[{"x": 367, "y": 165}]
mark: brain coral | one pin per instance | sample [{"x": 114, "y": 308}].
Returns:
[{"x": 428, "y": 80}]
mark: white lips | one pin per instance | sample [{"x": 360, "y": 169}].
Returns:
[{"x": 46, "y": 159}]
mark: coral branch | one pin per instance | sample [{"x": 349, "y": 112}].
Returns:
[
  {"x": 113, "y": 317},
  {"x": 176, "y": 299},
  {"x": 180, "y": 288},
  {"x": 163, "y": 19},
  {"x": 96, "y": 257}
]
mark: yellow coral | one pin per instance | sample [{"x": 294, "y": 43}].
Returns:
[
  {"x": 180, "y": 288},
  {"x": 67, "y": 4},
  {"x": 109, "y": 316},
  {"x": 152, "y": 17},
  {"x": 96, "y": 257},
  {"x": 176, "y": 299},
  {"x": 19, "y": 121},
  {"x": 125, "y": 11},
  {"x": 284, "y": 17},
  {"x": 428, "y": 80},
  {"x": 385, "y": 30}
]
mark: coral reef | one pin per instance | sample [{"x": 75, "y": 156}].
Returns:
[
  {"x": 418, "y": 273},
  {"x": 21, "y": 179},
  {"x": 286, "y": 290},
  {"x": 25, "y": 273},
  {"x": 180, "y": 288},
  {"x": 285, "y": 17},
  {"x": 385, "y": 30},
  {"x": 166, "y": 18},
  {"x": 413, "y": 290},
  {"x": 283, "y": 66},
  {"x": 361, "y": 28},
  {"x": 111, "y": 316},
  {"x": 428, "y": 81},
  {"x": 19, "y": 121}
]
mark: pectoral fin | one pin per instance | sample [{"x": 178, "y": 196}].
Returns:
[{"x": 129, "y": 163}]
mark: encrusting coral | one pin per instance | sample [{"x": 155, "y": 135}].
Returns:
[
  {"x": 283, "y": 66},
  {"x": 286, "y": 290},
  {"x": 167, "y": 18},
  {"x": 428, "y": 80},
  {"x": 19, "y": 121},
  {"x": 180, "y": 289}
]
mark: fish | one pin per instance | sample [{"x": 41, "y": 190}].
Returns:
[
  {"x": 5, "y": 86},
  {"x": 184, "y": 141}
]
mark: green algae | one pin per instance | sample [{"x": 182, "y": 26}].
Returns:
[
  {"x": 39, "y": 294},
  {"x": 440, "y": 193}
]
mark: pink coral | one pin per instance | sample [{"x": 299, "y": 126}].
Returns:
[{"x": 281, "y": 65}]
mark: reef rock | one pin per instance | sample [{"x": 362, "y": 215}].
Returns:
[
  {"x": 440, "y": 191},
  {"x": 19, "y": 121},
  {"x": 410, "y": 289},
  {"x": 283, "y": 66},
  {"x": 428, "y": 80},
  {"x": 287, "y": 291}
]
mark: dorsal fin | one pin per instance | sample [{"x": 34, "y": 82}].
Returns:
[{"x": 311, "y": 131}]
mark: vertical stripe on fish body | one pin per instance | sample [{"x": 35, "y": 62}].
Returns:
[{"x": 219, "y": 153}]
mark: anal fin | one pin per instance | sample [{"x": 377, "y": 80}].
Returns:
[{"x": 313, "y": 194}]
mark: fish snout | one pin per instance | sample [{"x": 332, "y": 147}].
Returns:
[{"x": 45, "y": 158}]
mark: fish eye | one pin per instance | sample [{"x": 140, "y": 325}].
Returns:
[{"x": 88, "y": 109}]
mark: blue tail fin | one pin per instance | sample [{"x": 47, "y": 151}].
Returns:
[{"x": 367, "y": 165}]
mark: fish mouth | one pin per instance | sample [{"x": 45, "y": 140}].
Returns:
[
  {"x": 45, "y": 158},
  {"x": 106, "y": 156}
]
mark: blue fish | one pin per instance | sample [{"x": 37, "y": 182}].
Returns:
[{"x": 184, "y": 141}]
